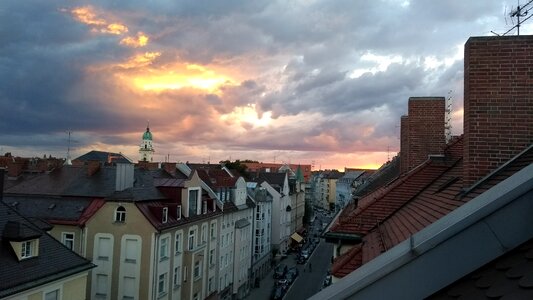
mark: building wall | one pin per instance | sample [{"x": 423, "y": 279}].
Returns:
[
  {"x": 111, "y": 266},
  {"x": 498, "y": 102},
  {"x": 71, "y": 288},
  {"x": 59, "y": 231},
  {"x": 226, "y": 238}
]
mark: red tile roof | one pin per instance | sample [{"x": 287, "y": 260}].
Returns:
[
  {"x": 347, "y": 262},
  {"x": 377, "y": 206},
  {"x": 441, "y": 197}
]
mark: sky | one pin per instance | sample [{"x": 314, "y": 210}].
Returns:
[{"x": 304, "y": 82}]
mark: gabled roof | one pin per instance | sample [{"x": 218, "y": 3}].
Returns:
[
  {"x": 384, "y": 175},
  {"x": 55, "y": 209},
  {"x": 377, "y": 206},
  {"x": 103, "y": 157},
  {"x": 217, "y": 178},
  {"x": 274, "y": 179},
  {"x": 74, "y": 181},
  {"x": 54, "y": 261}
]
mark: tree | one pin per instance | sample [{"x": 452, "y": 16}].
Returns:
[{"x": 238, "y": 166}]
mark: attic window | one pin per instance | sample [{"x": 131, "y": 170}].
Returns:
[
  {"x": 120, "y": 214},
  {"x": 165, "y": 215},
  {"x": 26, "y": 249},
  {"x": 178, "y": 212},
  {"x": 205, "y": 207}
]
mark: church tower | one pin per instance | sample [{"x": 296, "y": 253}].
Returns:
[{"x": 147, "y": 150}]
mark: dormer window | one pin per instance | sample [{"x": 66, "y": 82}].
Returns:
[
  {"x": 178, "y": 212},
  {"x": 120, "y": 214},
  {"x": 26, "y": 250},
  {"x": 165, "y": 215},
  {"x": 194, "y": 202},
  {"x": 205, "y": 207}
]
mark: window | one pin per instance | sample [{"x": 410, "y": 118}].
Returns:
[
  {"x": 163, "y": 249},
  {"x": 204, "y": 207},
  {"x": 177, "y": 244},
  {"x": 178, "y": 213},
  {"x": 68, "y": 240},
  {"x": 165, "y": 215},
  {"x": 131, "y": 251},
  {"x": 204, "y": 233},
  {"x": 213, "y": 231},
  {"x": 120, "y": 214},
  {"x": 177, "y": 276},
  {"x": 210, "y": 286},
  {"x": 129, "y": 288},
  {"x": 193, "y": 202},
  {"x": 104, "y": 248},
  {"x": 53, "y": 295},
  {"x": 197, "y": 271},
  {"x": 101, "y": 285},
  {"x": 191, "y": 239},
  {"x": 26, "y": 249},
  {"x": 212, "y": 257},
  {"x": 221, "y": 265},
  {"x": 162, "y": 284}
]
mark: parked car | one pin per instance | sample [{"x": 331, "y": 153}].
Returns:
[
  {"x": 277, "y": 293},
  {"x": 290, "y": 277},
  {"x": 327, "y": 280},
  {"x": 293, "y": 270},
  {"x": 305, "y": 253},
  {"x": 280, "y": 271},
  {"x": 300, "y": 260},
  {"x": 283, "y": 283}
]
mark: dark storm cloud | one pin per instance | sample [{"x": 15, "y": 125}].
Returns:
[{"x": 295, "y": 59}]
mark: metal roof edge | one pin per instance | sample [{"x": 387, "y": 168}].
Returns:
[{"x": 479, "y": 216}]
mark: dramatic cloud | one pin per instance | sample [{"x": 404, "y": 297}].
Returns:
[{"x": 321, "y": 82}]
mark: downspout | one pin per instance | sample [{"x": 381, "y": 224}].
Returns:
[{"x": 155, "y": 264}]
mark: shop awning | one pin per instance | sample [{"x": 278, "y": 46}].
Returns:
[{"x": 298, "y": 238}]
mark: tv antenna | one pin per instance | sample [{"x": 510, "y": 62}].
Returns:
[
  {"x": 448, "y": 122},
  {"x": 519, "y": 12}
]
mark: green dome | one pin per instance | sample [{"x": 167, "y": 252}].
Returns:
[{"x": 147, "y": 135}]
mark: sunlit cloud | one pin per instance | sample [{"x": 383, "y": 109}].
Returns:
[
  {"x": 138, "y": 41},
  {"x": 247, "y": 116},
  {"x": 88, "y": 16}
]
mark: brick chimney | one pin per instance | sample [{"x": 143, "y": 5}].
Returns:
[
  {"x": 498, "y": 102},
  {"x": 92, "y": 167},
  {"x": 14, "y": 168},
  {"x": 404, "y": 144},
  {"x": 426, "y": 120},
  {"x": 170, "y": 167}
]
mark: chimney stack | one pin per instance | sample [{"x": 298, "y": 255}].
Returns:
[
  {"x": 425, "y": 130},
  {"x": 170, "y": 167},
  {"x": 124, "y": 177},
  {"x": 498, "y": 102},
  {"x": 92, "y": 167},
  {"x": 14, "y": 168}
]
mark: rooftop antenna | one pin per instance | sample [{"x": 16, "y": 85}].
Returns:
[
  {"x": 520, "y": 11},
  {"x": 448, "y": 123},
  {"x": 68, "y": 161}
]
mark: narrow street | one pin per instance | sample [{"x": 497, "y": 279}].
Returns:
[{"x": 308, "y": 282}]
